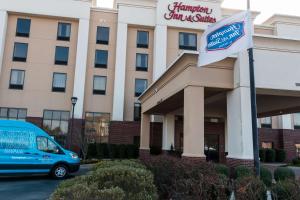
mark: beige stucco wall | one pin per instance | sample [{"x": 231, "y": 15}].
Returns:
[
  {"x": 101, "y": 103},
  {"x": 131, "y": 73},
  {"x": 37, "y": 94}
]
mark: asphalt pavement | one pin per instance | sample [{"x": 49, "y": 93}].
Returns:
[{"x": 31, "y": 187}]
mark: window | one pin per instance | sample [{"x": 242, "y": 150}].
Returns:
[
  {"x": 267, "y": 145},
  {"x": 61, "y": 55},
  {"x": 142, "y": 39},
  {"x": 46, "y": 145},
  {"x": 13, "y": 113},
  {"x": 59, "y": 82},
  {"x": 297, "y": 121},
  {"x": 56, "y": 123},
  {"x": 101, "y": 57},
  {"x": 188, "y": 41},
  {"x": 23, "y": 27},
  {"x": 15, "y": 138},
  {"x": 102, "y": 35},
  {"x": 20, "y": 52},
  {"x": 16, "y": 79},
  {"x": 64, "y": 31},
  {"x": 266, "y": 122},
  {"x": 141, "y": 62},
  {"x": 298, "y": 150},
  {"x": 97, "y": 127},
  {"x": 140, "y": 86},
  {"x": 99, "y": 85},
  {"x": 137, "y": 112}
]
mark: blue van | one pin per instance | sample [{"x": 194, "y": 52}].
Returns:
[{"x": 27, "y": 149}]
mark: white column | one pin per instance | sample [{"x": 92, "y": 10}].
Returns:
[
  {"x": 239, "y": 127},
  {"x": 160, "y": 51},
  {"x": 286, "y": 121},
  {"x": 3, "y": 26},
  {"x": 168, "y": 132},
  {"x": 80, "y": 68},
  {"x": 120, "y": 69}
]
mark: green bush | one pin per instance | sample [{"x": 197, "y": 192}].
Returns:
[
  {"x": 113, "y": 150},
  {"x": 250, "y": 188},
  {"x": 122, "y": 151},
  {"x": 110, "y": 180},
  {"x": 287, "y": 189},
  {"x": 222, "y": 169},
  {"x": 296, "y": 161},
  {"x": 280, "y": 155},
  {"x": 242, "y": 171},
  {"x": 283, "y": 173},
  {"x": 262, "y": 155},
  {"x": 132, "y": 151},
  {"x": 102, "y": 151},
  {"x": 270, "y": 155},
  {"x": 266, "y": 176}
]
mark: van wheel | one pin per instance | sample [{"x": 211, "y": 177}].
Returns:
[{"x": 59, "y": 172}]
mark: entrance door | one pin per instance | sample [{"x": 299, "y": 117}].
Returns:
[{"x": 211, "y": 147}]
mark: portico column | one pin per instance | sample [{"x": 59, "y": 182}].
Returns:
[
  {"x": 193, "y": 138},
  {"x": 3, "y": 26},
  {"x": 168, "y": 132},
  {"x": 160, "y": 51},
  {"x": 239, "y": 128},
  {"x": 145, "y": 136},
  {"x": 120, "y": 70},
  {"x": 80, "y": 68}
]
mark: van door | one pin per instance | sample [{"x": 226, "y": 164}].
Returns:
[
  {"x": 17, "y": 150},
  {"x": 50, "y": 153}
]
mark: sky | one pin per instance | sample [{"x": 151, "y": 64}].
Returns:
[{"x": 266, "y": 7}]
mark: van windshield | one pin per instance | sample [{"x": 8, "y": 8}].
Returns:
[{"x": 46, "y": 145}]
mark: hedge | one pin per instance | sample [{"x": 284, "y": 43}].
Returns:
[
  {"x": 112, "y": 151},
  {"x": 288, "y": 189},
  {"x": 222, "y": 169},
  {"x": 283, "y": 173},
  {"x": 270, "y": 155},
  {"x": 242, "y": 172},
  {"x": 250, "y": 188},
  {"x": 280, "y": 155},
  {"x": 262, "y": 155},
  {"x": 266, "y": 176}
]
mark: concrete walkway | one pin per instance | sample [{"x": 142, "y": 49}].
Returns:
[{"x": 273, "y": 166}]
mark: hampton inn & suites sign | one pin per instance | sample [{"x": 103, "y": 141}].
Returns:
[{"x": 189, "y": 13}]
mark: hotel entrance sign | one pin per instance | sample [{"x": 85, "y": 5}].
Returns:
[{"x": 189, "y": 13}]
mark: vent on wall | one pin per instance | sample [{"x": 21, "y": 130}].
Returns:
[{"x": 297, "y": 84}]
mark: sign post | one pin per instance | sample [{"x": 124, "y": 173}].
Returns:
[{"x": 253, "y": 108}]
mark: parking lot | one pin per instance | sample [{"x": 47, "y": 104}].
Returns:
[{"x": 31, "y": 187}]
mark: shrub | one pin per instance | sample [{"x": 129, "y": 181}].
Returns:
[
  {"x": 280, "y": 155},
  {"x": 283, "y": 173},
  {"x": 287, "y": 189},
  {"x": 242, "y": 171},
  {"x": 122, "y": 151},
  {"x": 270, "y": 155},
  {"x": 266, "y": 176},
  {"x": 92, "y": 151},
  {"x": 155, "y": 150},
  {"x": 222, "y": 169},
  {"x": 180, "y": 179},
  {"x": 250, "y": 188},
  {"x": 110, "y": 180},
  {"x": 102, "y": 150},
  {"x": 262, "y": 155},
  {"x": 113, "y": 150},
  {"x": 296, "y": 161},
  {"x": 132, "y": 151}
]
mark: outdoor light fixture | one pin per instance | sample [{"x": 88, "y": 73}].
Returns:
[{"x": 73, "y": 101}]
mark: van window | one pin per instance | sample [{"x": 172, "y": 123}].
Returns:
[
  {"x": 46, "y": 145},
  {"x": 12, "y": 138}
]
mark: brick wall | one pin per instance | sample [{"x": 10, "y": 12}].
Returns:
[
  {"x": 271, "y": 135},
  {"x": 121, "y": 132},
  {"x": 38, "y": 121}
]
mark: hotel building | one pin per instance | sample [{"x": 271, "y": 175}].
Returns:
[{"x": 133, "y": 71}]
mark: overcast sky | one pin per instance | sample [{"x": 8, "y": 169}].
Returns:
[{"x": 266, "y": 7}]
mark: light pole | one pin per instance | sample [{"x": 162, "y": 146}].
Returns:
[{"x": 73, "y": 101}]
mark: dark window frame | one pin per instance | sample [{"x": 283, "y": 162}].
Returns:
[
  {"x": 10, "y": 108},
  {"x": 185, "y": 47},
  {"x": 16, "y": 86},
  {"x": 137, "y": 117},
  {"x": 61, "y": 62},
  {"x": 98, "y": 40},
  {"x": 99, "y": 92},
  {"x": 59, "y": 89},
  {"x": 140, "y": 45},
  {"x": 20, "y": 59},
  {"x": 140, "y": 68},
  {"x": 63, "y": 38},
  {"x": 99, "y": 65},
  {"x": 137, "y": 94},
  {"x": 19, "y": 34}
]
